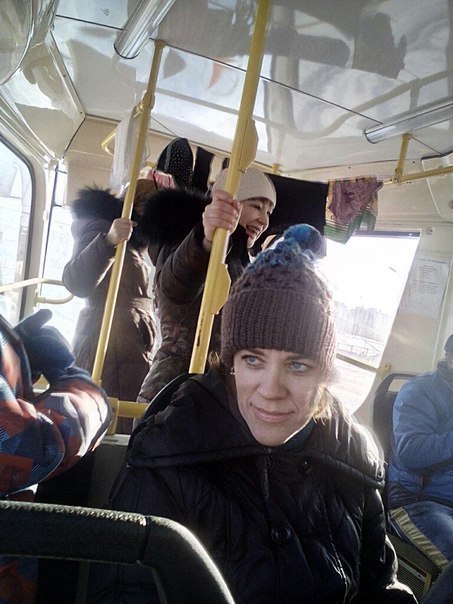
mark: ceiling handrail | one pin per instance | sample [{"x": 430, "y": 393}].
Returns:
[{"x": 399, "y": 177}]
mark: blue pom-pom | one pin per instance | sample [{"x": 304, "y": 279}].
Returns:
[
  {"x": 308, "y": 238},
  {"x": 301, "y": 243}
]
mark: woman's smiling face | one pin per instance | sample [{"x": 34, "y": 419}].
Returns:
[
  {"x": 275, "y": 392},
  {"x": 254, "y": 217}
]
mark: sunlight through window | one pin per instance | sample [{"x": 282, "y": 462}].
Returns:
[{"x": 367, "y": 277}]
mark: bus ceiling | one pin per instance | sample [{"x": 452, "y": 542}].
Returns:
[{"x": 332, "y": 75}]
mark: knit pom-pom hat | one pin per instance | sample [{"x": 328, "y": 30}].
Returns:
[
  {"x": 253, "y": 183},
  {"x": 281, "y": 302}
]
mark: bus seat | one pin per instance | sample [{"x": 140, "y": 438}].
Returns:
[
  {"x": 185, "y": 570},
  {"x": 383, "y": 410},
  {"x": 110, "y": 455},
  {"x": 414, "y": 568},
  {"x": 88, "y": 483}
]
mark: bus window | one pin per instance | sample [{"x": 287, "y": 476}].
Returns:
[
  {"x": 367, "y": 276},
  {"x": 15, "y": 209},
  {"x": 58, "y": 252}
]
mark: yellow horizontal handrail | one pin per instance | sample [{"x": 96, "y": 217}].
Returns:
[
  {"x": 398, "y": 176},
  {"x": 37, "y": 281},
  {"x": 105, "y": 143},
  {"x": 131, "y": 409},
  {"x": 138, "y": 109},
  {"x": 27, "y": 282},
  {"x": 45, "y": 300},
  {"x": 381, "y": 370},
  {"x": 120, "y": 408},
  {"x": 356, "y": 363},
  {"x": 418, "y": 175},
  {"x": 124, "y": 409}
]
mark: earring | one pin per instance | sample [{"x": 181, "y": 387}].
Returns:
[{"x": 232, "y": 371}]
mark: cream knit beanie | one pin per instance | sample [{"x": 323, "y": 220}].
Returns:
[{"x": 253, "y": 183}]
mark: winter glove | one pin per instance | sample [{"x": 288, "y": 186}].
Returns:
[{"x": 47, "y": 350}]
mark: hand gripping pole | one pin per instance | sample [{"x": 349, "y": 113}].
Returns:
[{"x": 245, "y": 143}]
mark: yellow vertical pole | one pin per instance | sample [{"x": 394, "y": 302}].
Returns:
[
  {"x": 405, "y": 140},
  {"x": 242, "y": 154},
  {"x": 115, "y": 276}
]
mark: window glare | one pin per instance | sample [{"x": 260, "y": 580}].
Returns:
[
  {"x": 15, "y": 211},
  {"x": 367, "y": 276},
  {"x": 59, "y": 249}
]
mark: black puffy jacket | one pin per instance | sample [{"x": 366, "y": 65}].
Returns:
[{"x": 301, "y": 523}]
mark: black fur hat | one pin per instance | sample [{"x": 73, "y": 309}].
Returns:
[
  {"x": 96, "y": 203},
  {"x": 167, "y": 216},
  {"x": 170, "y": 214}
]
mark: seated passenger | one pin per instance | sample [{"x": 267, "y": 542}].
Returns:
[
  {"x": 97, "y": 230},
  {"x": 260, "y": 462},
  {"x": 421, "y": 465},
  {"x": 184, "y": 227},
  {"x": 41, "y": 435}
]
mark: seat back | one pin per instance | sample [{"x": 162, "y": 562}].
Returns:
[
  {"x": 184, "y": 569},
  {"x": 414, "y": 568},
  {"x": 383, "y": 409}
]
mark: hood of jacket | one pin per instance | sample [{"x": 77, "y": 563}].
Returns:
[
  {"x": 180, "y": 435},
  {"x": 168, "y": 214},
  {"x": 92, "y": 202}
]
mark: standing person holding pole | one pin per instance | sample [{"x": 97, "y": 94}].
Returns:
[
  {"x": 181, "y": 255},
  {"x": 97, "y": 230}
]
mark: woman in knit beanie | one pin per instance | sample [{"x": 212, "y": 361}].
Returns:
[
  {"x": 277, "y": 481},
  {"x": 281, "y": 307}
]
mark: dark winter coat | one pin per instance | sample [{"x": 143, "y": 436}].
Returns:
[
  {"x": 86, "y": 275},
  {"x": 421, "y": 465},
  {"x": 181, "y": 265},
  {"x": 301, "y": 523}
]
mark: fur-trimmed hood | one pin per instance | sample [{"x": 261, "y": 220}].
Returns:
[
  {"x": 168, "y": 215},
  {"x": 92, "y": 202},
  {"x": 171, "y": 214}
]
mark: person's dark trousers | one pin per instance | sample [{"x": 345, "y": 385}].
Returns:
[{"x": 442, "y": 590}]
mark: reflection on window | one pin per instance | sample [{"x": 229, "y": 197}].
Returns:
[
  {"x": 367, "y": 276},
  {"x": 59, "y": 250},
  {"x": 15, "y": 207}
]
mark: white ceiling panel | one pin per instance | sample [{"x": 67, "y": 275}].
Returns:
[{"x": 330, "y": 70}]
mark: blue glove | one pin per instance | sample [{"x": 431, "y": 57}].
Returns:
[{"x": 47, "y": 350}]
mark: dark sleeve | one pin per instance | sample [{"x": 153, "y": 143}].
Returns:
[
  {"x": 91, "y": 259},
  {"x": 378, "y": 565},
  {"x": 183, "y": 272}
]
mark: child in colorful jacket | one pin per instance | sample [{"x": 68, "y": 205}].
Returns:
[{"x": 41, "y": 435}]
